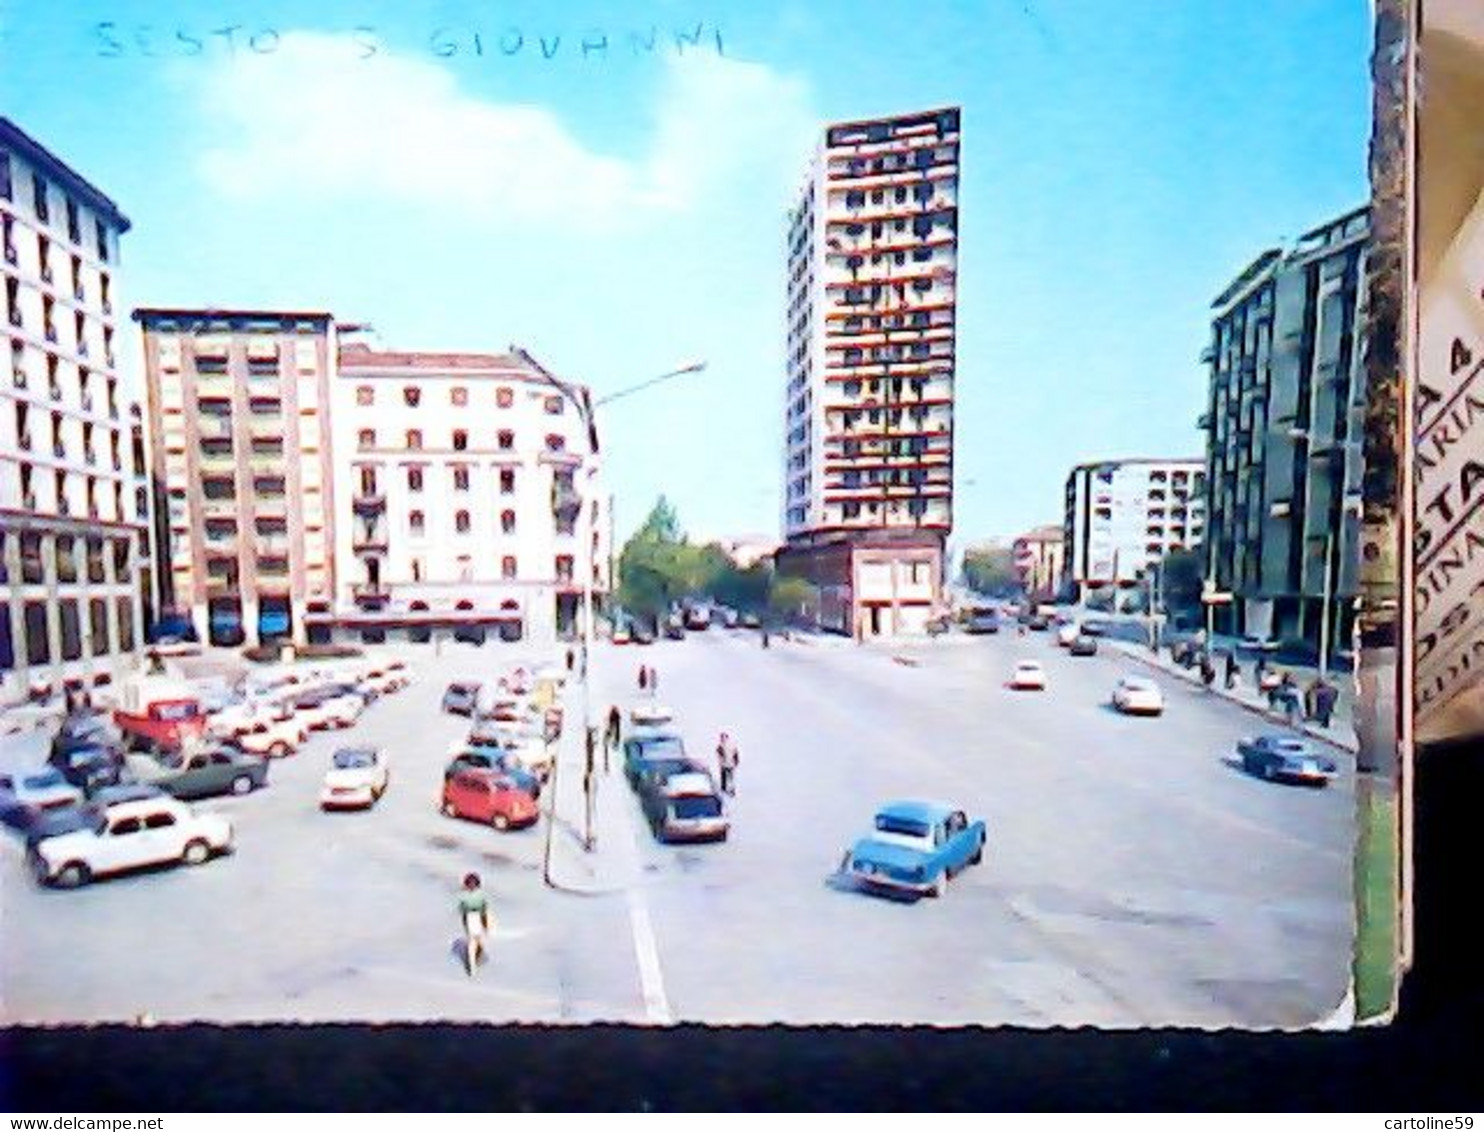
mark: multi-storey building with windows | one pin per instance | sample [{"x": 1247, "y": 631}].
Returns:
[
  {"x": 871, "y": 292},
  {"x": 1038, "y": 560},
  {"x": 468, "y": 497},
  {"x": 1124, "y": 516},
  {"x": 1283, "y": 428},
  {"x": 238, "y": 408},
  {"x": 74, "y": 515}
]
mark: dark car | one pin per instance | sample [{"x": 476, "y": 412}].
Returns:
[
  {"x": 645, "y": 746},
  {"x": 1094, "y": 628},
  {"x": 674, "y": 629},
  {"x": 982, "y": 621},
  {"x": 172, "y": 629},
  {"x": 1286, "y": 758},
  {"x": 86, "y": 729},
  {"x": 461, "y": 698},
  {"x": 643, "y": 634},
  {"x": 1083, "y": 645},
  {"x": 1038, "y": 623},
  {"x": 89, "y": 768},
  {"x": 751, "y": 621},
  {"x": 498, "y": 759},
  {"x": 203, "y": 773},
  {"x": 654, "y": 773}
]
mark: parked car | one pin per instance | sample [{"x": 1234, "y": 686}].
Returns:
[
  {"x": 1029, "y": 676},
  {"x": 643, "y": 635},
  {"x": 461, "y": 698},
  {"x": 1038, "y": 623},
  {"x": 326, "y": 708},
  {"x": 674, "y": 629},
  {"x": 26, "y": 795},
  {"x": 646, "y": 745},
  {"x": 498, "y": 759},
  {"x": 1067, "y": 634},
  {"x": 697, "y": 618},
  {"x": 621, "y": 635},
  {"x": 357, "y": 779},
  {"x": 1286, "y": 758},
  {"x": 685, "y": 807},
  {"x": 158, "y": 713},
  {"x": 488, "y": 796},
  {"x": 751, "y": 621},
  {"x": 1083, "y": 645},
  {"x": 650, "y": 713},
  {"x": 730, "y": 618},
  {"x": 1094, "y": 628},
  {"x": 1138, "y": 695},
  {"x": 982, "y": 620},
  {"x": 916, "y": 847},
  {"x": 89, "y": 768},
  {"x": 127, "y": 836},
  {"x": 273, "y": 736},
  {"x": 201, "y": 773},
  {"x": 86, "y": 729}
]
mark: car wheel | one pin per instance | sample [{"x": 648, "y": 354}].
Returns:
[
  {"x": 279, "y": 750},
  {"x": 940, "y": 886},
  {"x": 500, "y": 822},
  {"x": 196, "y": 853},
  {"x": 242, "y": 784},
  {"x": 73, "y": 875}
]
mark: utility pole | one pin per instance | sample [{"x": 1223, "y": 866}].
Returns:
[{"x": 1324, "y": 614}]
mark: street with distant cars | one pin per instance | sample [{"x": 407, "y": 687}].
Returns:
[{"x": 904, "y": 843}]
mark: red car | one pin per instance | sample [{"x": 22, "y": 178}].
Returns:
[{"x": 489, "y": 797}]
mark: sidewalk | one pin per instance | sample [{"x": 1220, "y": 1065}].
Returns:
[
  {"x": 1340, "y": 733},
  {"x": 613, "y": 862}
]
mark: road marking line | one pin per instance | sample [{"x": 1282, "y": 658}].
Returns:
[{"x": 656, "y": 1006}]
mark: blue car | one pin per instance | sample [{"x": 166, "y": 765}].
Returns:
[
  {"x": 914, "y": 848},
  {"x": 643, "y": 745},
  {"x": 1286, "y": 758},
  {"x": 481, "y": 756}
]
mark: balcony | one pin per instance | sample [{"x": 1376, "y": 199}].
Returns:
[
  {"x": 372, "y": 502},
  {"x": 371, "y": 595},
  {"x": 368, "y": 542},
  {"x": 565, "y": 501}
]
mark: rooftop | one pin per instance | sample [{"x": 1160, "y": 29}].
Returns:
[{"x": 17, "y": 141}]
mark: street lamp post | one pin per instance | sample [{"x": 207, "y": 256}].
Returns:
[{"x": 584, "y": 404}]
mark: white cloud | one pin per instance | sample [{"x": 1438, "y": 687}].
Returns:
[{"x": 313, "y": 121}]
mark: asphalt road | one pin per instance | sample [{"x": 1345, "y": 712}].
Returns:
[{"x": 1134, "y": 875}]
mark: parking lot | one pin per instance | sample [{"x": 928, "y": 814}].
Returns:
[{"x": 1134, "y": 876}]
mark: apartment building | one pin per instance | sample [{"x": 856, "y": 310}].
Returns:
[
  {"x": 469, "y": 500},
  {"x": 1123, "y": 516},
  {"x": 74, "y": 515},
  {"x": 871, "y": 299},
  {"x": 238, "y": 412},
  {"x": 1283, "y": 427},
  {"x": 1038, "y": 557}
]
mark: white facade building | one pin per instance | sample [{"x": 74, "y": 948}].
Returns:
[
  {"x": 468, "y": 495},
  {"x": 74, "y": 511},
  {"x": 1123, "y": 516}
]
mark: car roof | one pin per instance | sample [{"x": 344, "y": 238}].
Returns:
[
  {"x": 358, "y": 750},
  {"x": 915, "y": 810},
  {"x": 1029, "y": 664}
]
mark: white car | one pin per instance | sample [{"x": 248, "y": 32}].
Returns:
[
  {"x": 357, "y": 778},
  {"x": 529, "y": 748},
  {"x": 37, "y": 791},
  {"x": 130, "y": 835},
  {"x": 650, "y": 714},
  {"x": 1067, "y": 634},
  {"x": 257, "y": 716},
  {"x": 1029, "y": 676},
  {"x": 1137, "y": 695},
  {"x": 274, "y": 736},
  {"x": 321, "y": 709}
]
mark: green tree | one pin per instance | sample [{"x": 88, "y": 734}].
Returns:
[
  {"x": 1181, "y": 576},
  {"x": 792, "y": 598},
  {"x": 991, "y": 570}
]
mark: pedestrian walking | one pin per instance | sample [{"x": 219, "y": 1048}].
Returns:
[
  {"x": 654, "y": 681},
  {"x": 1208, "y": 670},
  {"x": 1231, "y": 670},
  {"x": 474, "y": 912},
  {"x": 615, "y": 725},
  {"x": 1326, "y": 696},
  {"x": 727, "y": 758},
  {"x": 571, "y": 660},
  {"x": 1285, "y": 697},
  {"x": 643, "y": 677}
]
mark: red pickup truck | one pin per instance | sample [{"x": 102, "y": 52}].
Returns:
[{"x": 155, "y": 712}]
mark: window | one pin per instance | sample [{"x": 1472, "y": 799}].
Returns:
[
  {"x": 461, "y": 522},
  {"x": 461, "y": 479},
  {"x": 6, "y": 188},
  {"x": 38, "y": 195},
  {"x": 504, "y": 397},
  {"x": 458, "y": 395},
  {"x": 414, "y": 439},
  {"x": 555, "y": 442},
  {"x": 851, "y": 510},
  {"x": 71, "y": 630},
  {"x": 507, "y": 522},
  {"x": 365, "y": 395},
  {"x": 95, "y": 559},
  {"x": 460, "y": 440},
  {"x": 506, "y": 439},
  {"x": 553, "y": 405},
  {"x": 102, "y": 237},
  {"x": 159, "y": 821},
  {"x": 507, "y": 481},
  {"x": 412, "y": 395},
  {"x": 38, "y": 643},
  {"x": 507, "y": 567},
  {"x": 414, "y": 479},
  {"x": 415, "y": 523},
  {"x": 564, "y": 563},
  {"x": 366, "y": 438}
]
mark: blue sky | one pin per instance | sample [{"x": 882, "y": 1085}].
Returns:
[{"x": 619, "y": 211}]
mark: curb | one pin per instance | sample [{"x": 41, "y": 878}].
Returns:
[{"x": 1351, "y": 747}]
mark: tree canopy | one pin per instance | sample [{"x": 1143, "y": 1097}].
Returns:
[{"x": 991, "y": 570}]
